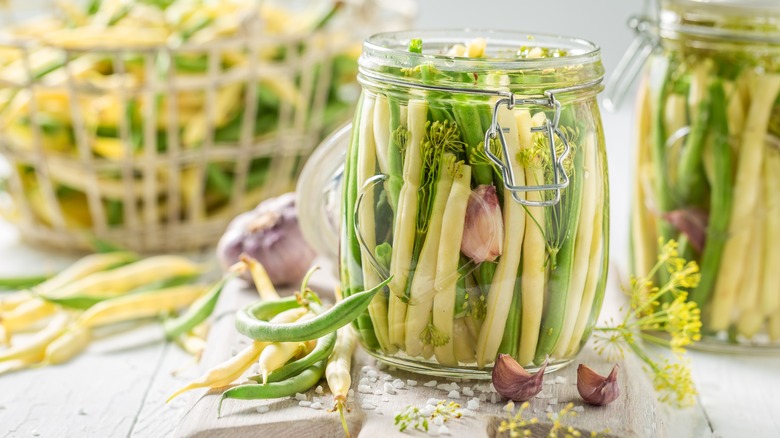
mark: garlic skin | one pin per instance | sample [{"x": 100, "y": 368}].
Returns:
[
  {"x": 692, "y": 222},
  {"x": 271, "y": 234},
  {"x": 596, "y": 389},
  {"x": 512, "y": 381},
  {"x": 483, "y": 230}
]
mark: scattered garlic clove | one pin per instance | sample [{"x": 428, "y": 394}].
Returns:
[
  {"x": 596, "y": 389},
  {"x": 512, "y": 381},
  {"x": 483, "y": 230}
]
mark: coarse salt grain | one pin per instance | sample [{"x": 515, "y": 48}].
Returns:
[
  {"x": 549, "y": 409},
  {"x": 364, "y": 381},
  {"x": 553, "y": 401},
  {"x": 493, "y": 398},
  {"x": 398, "y": 383},
  {"x": 373, "y": 373},
  {"x": 432, "y": 402},
  {"x": 304, "y": 403},
  {"x": 319, "y": 390},
  {"x": 262, "y": 409},
  {"x": 454, "y": 394},
  {"x": 389, "y": 388},
  {"x": 443, "y": 386},
  {"x": 443, "y": 430},
  {"x": 368, "y": 406},
  {"x": 365, "y": 369},
  {"x": 579, "y": 409},
  {"x": 378, "y": 392},
  {"x": 365, "y": 389},
  {"x": 351, "y": 393},
  {"x": 468, "y": 392},
  {"x": 482, "y": 397},
  {"x": 316, "y": 405},
  {"x": 410, "y": 382},
  {"x": 430, "y": 383},
  {"x": 387, "y": 377},
  {"x": 299, "y": 396},
  {"x": 560, "y": 379},
  {"x": 374, "y": 379},
  {"x": 473, "y": 404}
]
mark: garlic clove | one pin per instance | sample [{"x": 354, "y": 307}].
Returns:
[
  {"x": 483, "y": 230},
  {"x": 512, "y": 381},
  {"x": 596, "y": 389},
  {"x": 692, "y": 222}
]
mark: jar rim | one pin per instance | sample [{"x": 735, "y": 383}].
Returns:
[
  {"x": 390, "y": 49},
  {"x": 751, "y": 21}
]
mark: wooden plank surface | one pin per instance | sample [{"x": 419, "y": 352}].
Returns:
[{"x": 635, "y": 414}]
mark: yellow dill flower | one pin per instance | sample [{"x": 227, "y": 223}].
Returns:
[
  {"x": 663, "y": 308},
  {"x": 683, "y": 323},
  {"x": 514, "y": 424},
  {"x": 674, "y": 384}
]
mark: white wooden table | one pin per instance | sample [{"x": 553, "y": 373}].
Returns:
[{"x": 117, "y": 388}]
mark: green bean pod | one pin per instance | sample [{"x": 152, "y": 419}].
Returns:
[
  {"x": 255, "y": 391},
  {"x": 321, "y": 351},
  {"x": 250, "y": 321},
  {"x": 18, "y": 283},
  {"x": 197, "y": 312}
]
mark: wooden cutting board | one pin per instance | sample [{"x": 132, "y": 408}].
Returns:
[{"x": 635, "y": 414}]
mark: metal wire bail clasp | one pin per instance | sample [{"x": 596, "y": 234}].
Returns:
[
  {"x": 631, "y": 63},
  {"x": 560, "y": 179}
]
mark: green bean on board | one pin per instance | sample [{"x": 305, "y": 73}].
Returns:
[
  {"x": 198, "y": 311},
  {"x": 255, "y": 391},
  {"x": 249, "y": 320}
]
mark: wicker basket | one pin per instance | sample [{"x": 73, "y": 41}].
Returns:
[{"x": 187, "y": 152}]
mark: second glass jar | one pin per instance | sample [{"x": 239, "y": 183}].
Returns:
[{"x": 498, "y": 249}]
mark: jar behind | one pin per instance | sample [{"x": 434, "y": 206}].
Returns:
[
  {"x": 708, "y": 161},
  {"x": 491, "y": 250}
]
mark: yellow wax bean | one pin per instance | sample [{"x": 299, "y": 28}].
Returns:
[
  {"x": 139, "y": 306},
  {"x": 338, "y": 371},
  {"x": 26, "y": 315},
  {"x": 260, "y": 278},
  {"x": 10, "y": 366},
  {"x": 227, "y": 372},
  {"x": 276, "y": 354},
  {"x": 13, "y": 300},
  {"x": 125, "y": 278},
  {"x": 33, "y": 351},
  {"x": 67, "y": 346},
  {"x": 83, "y": 267}
]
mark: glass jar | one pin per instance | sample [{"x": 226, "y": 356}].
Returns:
[
  {"x": 498, "y": 249},
  {"x": 708, "y": 158}
]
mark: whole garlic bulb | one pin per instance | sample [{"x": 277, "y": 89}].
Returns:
[{"x": 271, "y": 234}]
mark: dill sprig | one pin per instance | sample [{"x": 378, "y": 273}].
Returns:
[
  {"x": 648, "y": 314},
  {"x": 515, "y": 425},
  {"x": 413, "y": 417}
]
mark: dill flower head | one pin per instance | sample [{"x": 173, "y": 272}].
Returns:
[
  {"x": 683, "y": 322},
  {"x": 673, "y": 382},
  {"x": 514, "y": 424}
]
